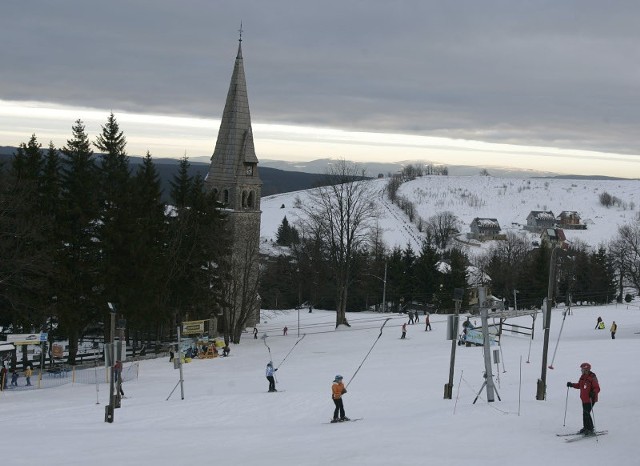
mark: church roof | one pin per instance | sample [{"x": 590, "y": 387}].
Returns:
[{"x": 234, "y": 147}]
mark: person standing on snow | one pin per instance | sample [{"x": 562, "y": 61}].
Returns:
[
  {"x": 427, "y": 322},
  {"x": 269, "y": 373},
  {"x": 337, "y": 390},
  {"x": 589, "y": 389},
  {"x": 614, "y": 329},
  {"x": 404, "y": 331},
  {"x": 255, "y": 333}
]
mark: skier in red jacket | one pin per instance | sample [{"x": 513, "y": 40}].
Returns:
[{"x": 589, "y": 389}]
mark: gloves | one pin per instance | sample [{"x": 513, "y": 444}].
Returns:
[
  {"x": 275, "y": 370},
  {"x": 344, "y": 390},
  {"x": 569, "y": 384}
]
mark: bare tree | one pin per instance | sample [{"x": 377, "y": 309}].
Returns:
[
  {"x": 627, "y": 250},
  {"x": 240, "y": 291},
  {"x": 442, "y": 227},
  {"x": 341, "y": 214}
]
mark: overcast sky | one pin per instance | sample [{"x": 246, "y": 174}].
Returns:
[{"x": 550, "y": 74}]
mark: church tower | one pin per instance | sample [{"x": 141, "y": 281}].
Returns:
[{"x": 233, "y": 178}]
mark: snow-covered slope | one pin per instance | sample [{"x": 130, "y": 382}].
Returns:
[
  {"x": 228, "y": 418},
  {"x": 509, "y": 200}
]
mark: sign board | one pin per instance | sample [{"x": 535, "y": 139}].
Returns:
[
  {"x": 43, "y": 337},
  {"x": 194, "y": 327},
  {"x": 24, "y": 338},
  {"x": 57, "y": 351}
]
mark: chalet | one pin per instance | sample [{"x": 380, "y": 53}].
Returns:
[
  {"x": 554, "y": 237},
  {"x": 484, "y": 229},
  {"x": 570, "y": 220},
  {"x": 539, "y": 220}
]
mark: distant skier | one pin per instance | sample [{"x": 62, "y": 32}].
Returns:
[
  {"x": 613, "y": 329},
  {"x": 337, "y": 390},
  {"x": 599, "y": 324},
  {"x": 404, "y": 331},
  {"x": 269, "y": 372},
  {"x": 589, "y": 389},
  {"x": 410, "y": 317},
  {"x": 427, "y": 322},
  {"x": 14, "y": 378},
  {"x": 255, "y": 333},
  {"x": 285, "y": 330}
]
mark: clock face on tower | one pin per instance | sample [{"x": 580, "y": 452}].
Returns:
[{"x": 249, "y": 170}]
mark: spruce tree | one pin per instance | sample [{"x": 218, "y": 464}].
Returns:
[{"x": 78, "y": 303}]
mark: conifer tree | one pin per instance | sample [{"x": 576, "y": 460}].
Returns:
[{"x": 78, "y": 303}]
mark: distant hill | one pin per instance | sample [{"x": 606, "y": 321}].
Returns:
[
  {"x": 508, "y": 200},
  {"x": 275, "y": 181}
]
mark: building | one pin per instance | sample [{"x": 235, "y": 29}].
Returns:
[
  {"x": 538, "y": 220},
  {"x": 554, "y": 237},
  {"x": 234, "y": 179},
  {"x": 484, "y": 229},
  {"x": 570, "y": 220}
]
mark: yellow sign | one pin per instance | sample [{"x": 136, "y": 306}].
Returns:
[{"x": 194, "y": 327}]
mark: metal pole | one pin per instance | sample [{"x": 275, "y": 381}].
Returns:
[
  {"x": 448, "y": 388},
  {"x": 109, "y": 409},
  {"x": 541, "y": 388},
  {"x": 180, "y": 361},
  {"x": 384, "y": 289},
  {"x": 487, "y": 351},
  {"x": 515, "y": 300}
]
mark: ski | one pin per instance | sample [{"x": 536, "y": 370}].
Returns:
[
  {"x": 340, "y": 422},
  {"x": 598, "y": 432},
  {"x": 577, "y": 437}
]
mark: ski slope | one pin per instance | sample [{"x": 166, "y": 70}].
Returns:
[{"x": 227, "y": 417}]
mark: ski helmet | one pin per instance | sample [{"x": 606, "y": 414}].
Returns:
[
  {"x": 338, "y": 377},
  {"x": 585, "y": 365}
]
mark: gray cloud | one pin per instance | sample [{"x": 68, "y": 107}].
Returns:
[{"x": 561, "y": 73}]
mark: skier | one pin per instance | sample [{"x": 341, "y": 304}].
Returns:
[
  {"x": 589, "y": 389},
  {"x": 28, "y": 372},
  {"x": 337, "y": 390},
  {"x": 14, "y": 378},
  {"x": 269, "y": 373},
  {"x": 404, "y": 331},
  {"x": 285, "y": 330},
  {"x": 410, "y": 317},
  {"x": 255, "y": 333},
  {"x": 614, "y": 329},
  {"x": 599, "y": 324},
  {"x": 427, "y": 322}
]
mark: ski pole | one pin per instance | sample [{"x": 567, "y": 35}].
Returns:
[
  {"x": 566, "y": 402},
  {"x": 365, "y": 358},
  {"x": 558, "y": 342},
  {"x": 285, "y": 358}
]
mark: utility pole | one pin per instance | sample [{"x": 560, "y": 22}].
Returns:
[
  {"x": 541, "y": 389},
  {"x": 484, "y": 314},
  {"x": 515, "y": 300},
  {"x": 458, "y": 294},
  {"x": 384, "y": 289},
  {"x": 108, "y": 410}
]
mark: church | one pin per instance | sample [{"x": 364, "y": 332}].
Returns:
[{"x": 234, "y": 180}]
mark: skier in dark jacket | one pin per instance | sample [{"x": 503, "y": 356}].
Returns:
[{"x": 589, "y": 389}]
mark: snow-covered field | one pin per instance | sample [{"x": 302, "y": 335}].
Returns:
[
  {"x": 509, "y": 200},
  {"x": 227, "y": 417}
]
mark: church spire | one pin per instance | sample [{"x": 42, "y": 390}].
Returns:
[
  {"x": 234, "y": 155},
  {"x": 239, "y": 55}
]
